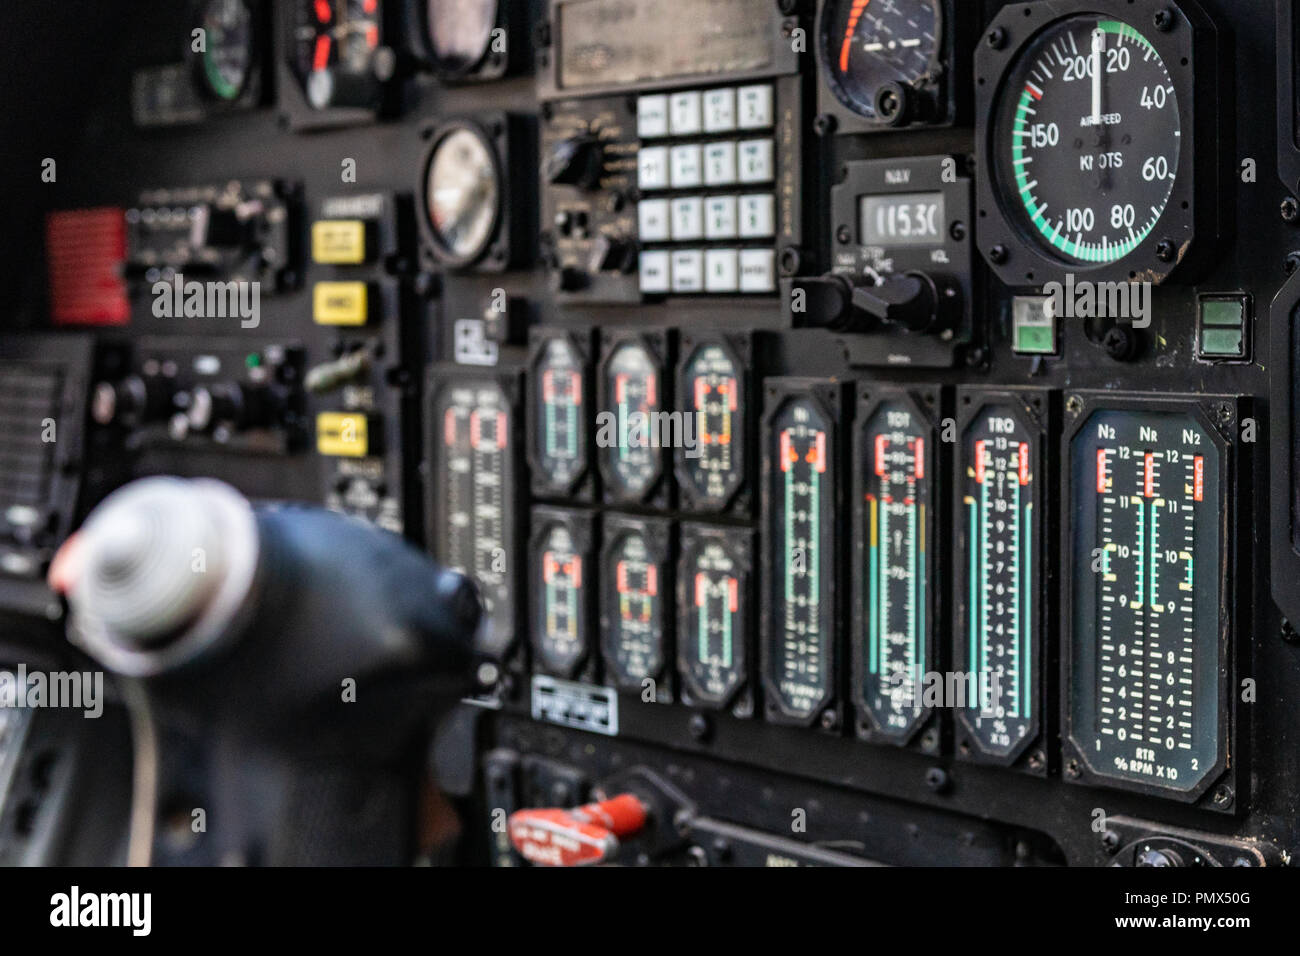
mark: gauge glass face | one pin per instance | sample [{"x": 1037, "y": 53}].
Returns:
[
  {"x": 896, "y": 515},
  {"x": 1087, "y": 140},
  {"x": 1147, "y": 502},
  {"x": 334, "y": 43},
  {"x": 711, "y": 642},
  {"x": 634, "y": 459},
  {"x": 476, "y": 530},
  {"x": 801, "y": 529},
  {"x": 869, "y": 43},
  {"x": 633, "y": 582},
  {"x": 463, "y": 195},
  {"x": 560, "y": 630},
  {"x": 999, "y": 487},
  {"x": 713, "y": 391},
  {"x": 460, "y": 31},
  {"x": 560, "y": 432},
  {"x": 228, "y": 54}
]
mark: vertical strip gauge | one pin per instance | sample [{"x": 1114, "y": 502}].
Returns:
[
  {"x": 635, "y": 604},
  {"x": 473, "y": 447},
  {"x": 562, "y": 546},
  {"x": 1000, "y": 594},
  {"x": 713, "y": 608},
  {"x": 800, "y": 501},
  {"x": 894, "y": 518},
  {"x": 1150, "y": 616},
  {"x": 631, "y": 428},
  {"x": 711, "y": 387},
  {"x": 559, "y": 413}
]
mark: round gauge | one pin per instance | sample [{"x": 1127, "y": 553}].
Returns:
[
  {"x": 462, "y": 195},
  {"x": 712, "y": 388},
  {"x": 459, "y": 33},
  {"x": 226, "y": 63},
  {"x": 633, "y": 459},
  {"x": 1086, "y": 140},
  {"x": 335, "y": 42},
  {"x": 878, "y": 53},
  {"x": 560, "y": 428}
]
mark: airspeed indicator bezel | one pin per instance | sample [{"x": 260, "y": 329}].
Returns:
[{"x": 1017, "y": 256}]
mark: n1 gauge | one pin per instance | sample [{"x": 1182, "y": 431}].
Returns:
[
  {"x": 1088, "y": 125},
  {"x": 559, "y": 414},
  {"x": 1150, "y": 619},
  {"x": 636, "y": 605},
  {"x": 712, "y": 386},
  {"x": 475, "y": 469},
  {"x": 894, "y": 530},
  {"x": 1000, "y": 588},
  {"x": 801, "y": 464},
  {"x": 562, "y": 558},
  {"x": 714, "y": 604}
]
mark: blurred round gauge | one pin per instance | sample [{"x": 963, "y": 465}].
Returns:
[
  {"x": 462, "y": 195},
  {"x": 459, "y": 33},
  {"x": 226, "y": 62}
]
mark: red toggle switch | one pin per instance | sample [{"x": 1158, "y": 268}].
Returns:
[{"x": 579, "y": 837}]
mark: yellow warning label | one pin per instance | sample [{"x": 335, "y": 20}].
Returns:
[
  {"x": 340, "y": 303},
  {"x": 342, "y": 435},
  {"x": 339, "y": 242}
]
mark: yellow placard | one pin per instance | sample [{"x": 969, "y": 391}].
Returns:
[
  {"x": 340, "y": 303},
  {"x": 342, "y": 435},
  {"x": 339, "y": 242}
]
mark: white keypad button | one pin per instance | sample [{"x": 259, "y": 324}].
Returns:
[
  {"x": 720, "y": 164},
  {"x": 688, "y": 270},
  {"x": 652, "y": 220},
  {"x": 756, "y": 164},
  {"x": 755, "y": 104},
  {"x": 654, "y": 272},
  {"x": 721, "y": 270},
  {"x": 720, "y": 217},
  {"x": 719, "y": 110},
  {"x": 652, "y": 116},
  {"x": 652, "y": 168},
  {"x": 685, "y": 167},
  {"x": 757, "y": 216},
  {"x": 688, "y": 219},
  {"x": 685, "y": 113},
  {"x": 758, "y": 270}
]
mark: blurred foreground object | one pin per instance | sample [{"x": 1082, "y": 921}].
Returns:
[{"x": 283, "y": 665}]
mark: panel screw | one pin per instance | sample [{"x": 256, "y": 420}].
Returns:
[
  {"x": 998, "y": 255},
  {"x": 1073, "y": 770},
  {"x": 1037, "y": 760},
  {"x": 1223, "y": 797},
  {"x": 1290, "y": 210},
  {"x": 996, "y": 38},
  {"x": 824, "y": 124},
  {"x": 957, "y": 231},
  {"x": 936, "y": 778},
  {"x": 699, "y": 727},
  {"x": 1292, "y": 263},
  {"x": 843, "y": 235},
  {"x": 1288, "y": 632},
  {"x": 1166, "y": 250},
  {"x": 830, "y": 720},
  {"x": 1110, "y": 840},
  {"x": 1164, "y": 20}
]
